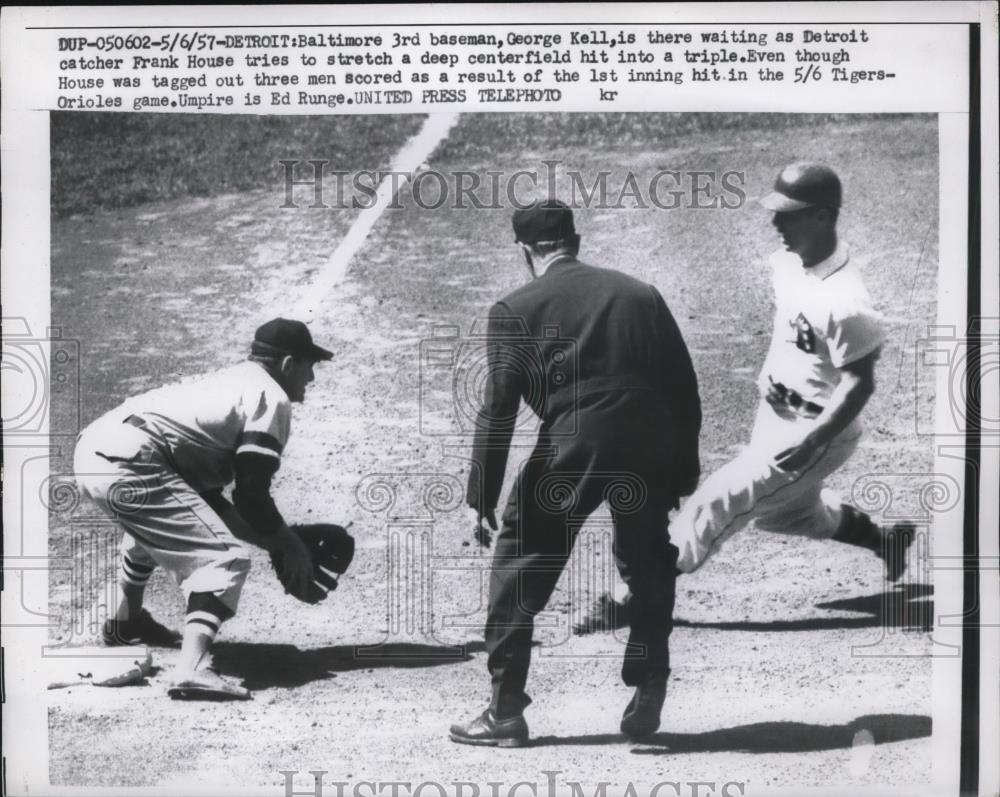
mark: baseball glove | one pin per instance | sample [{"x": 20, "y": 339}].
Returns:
[{"x": 331, "y": 549}]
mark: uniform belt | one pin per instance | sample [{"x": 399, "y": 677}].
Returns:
[{"x": 794, "y": 400}]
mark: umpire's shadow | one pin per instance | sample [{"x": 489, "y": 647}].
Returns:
[
  {"x": 262, "y": 666},
  {"x": 908, "y": 607},
  {"x": 765, "y": 737}
]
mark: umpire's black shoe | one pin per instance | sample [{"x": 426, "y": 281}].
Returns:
[
  {"x": 642, "y": 714},
  {"x": 895, "y": 545},
  {"x": 606, "y": 614},
  {"x": 489, "y": 731},
  {"x": 143, "y": 630}
]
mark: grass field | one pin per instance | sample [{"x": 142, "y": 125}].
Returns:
[{"x": 169, "y": 247}]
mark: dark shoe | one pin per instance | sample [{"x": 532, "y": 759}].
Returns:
[
  {"x": 606, "y": 614},
  {"x": 895, "y": 545},
  {"x": 642, "y": 714},
  {"x": 143, "y": 630},
  {"x": 491, "y": 732}
]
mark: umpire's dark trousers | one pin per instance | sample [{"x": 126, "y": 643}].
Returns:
[{"x": 555, "y": 493}]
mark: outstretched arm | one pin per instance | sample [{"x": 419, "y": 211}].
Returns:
[
  {"x": 258, "y": 521},
  {"x": 252, "y": 496},
  {"x": 857, "y": 384},
  {"x": 496, "y": 419}
]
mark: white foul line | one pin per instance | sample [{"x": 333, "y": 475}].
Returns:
[{"x": 406, "y": 162}]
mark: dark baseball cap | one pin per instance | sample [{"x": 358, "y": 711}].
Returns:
[
  {"x": 544, "y": 220},
  {"x": 804, "y": 185},
  {"x": 281, "y": 336}
]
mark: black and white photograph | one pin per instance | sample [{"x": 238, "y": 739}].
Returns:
[{"x": 496, "y": 451}]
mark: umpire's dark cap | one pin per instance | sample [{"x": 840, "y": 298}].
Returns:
[
  {"x": 804, "y": 185},
  {"x": 281, "y": 337},
  {"x": 544, "y": 220}
]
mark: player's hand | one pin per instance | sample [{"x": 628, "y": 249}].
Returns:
[
  {"x": 796, "y": 457},
  {"x": 484, "y": 523},
  {"x": 296, "y": 563},
  {"x": 776, "y": 396}
]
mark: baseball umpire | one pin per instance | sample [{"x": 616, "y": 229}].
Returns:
[
  {"x": 620, "y": 415},
  {"x": 816, "y": 379},
  {"x": 157, "y": 465}
]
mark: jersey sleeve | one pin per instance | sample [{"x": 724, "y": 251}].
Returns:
[
  {"x": 854, "y": 335},
  {"x": 268, "y": 423},
  {"x": 497, "y": 417}
]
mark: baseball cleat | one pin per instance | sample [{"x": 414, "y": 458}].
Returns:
[
  {"x": 206, "y": 684},
  {"x": 143, "y": 630},
  {"x": 488, "y": 731},
  {"x": 606, "y": 614},
  {"x": 642, "y": 714},
  {"x": 895, "y": 545}
]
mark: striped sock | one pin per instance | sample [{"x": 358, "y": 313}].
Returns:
[
  {"x": 203, "y": 622},
  {"x": 205, "y": 614},
  {"x": 134, "y": 574},
  {"x": 200, "y": 628}
]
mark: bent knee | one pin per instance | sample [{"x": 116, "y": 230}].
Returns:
[
  {"x": 237, "y": 559},
  {"x": 224, "y": 575}
]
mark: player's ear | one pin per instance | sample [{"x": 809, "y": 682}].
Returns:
[{"x": 287, "y": 362}]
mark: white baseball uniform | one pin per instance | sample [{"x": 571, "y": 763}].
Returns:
[
  {"x": 149, "y": 462},
  {"x": 824, "y": 320}
]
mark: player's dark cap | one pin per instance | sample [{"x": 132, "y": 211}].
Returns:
[
  {"x": 804, "y": 185},
  {"x": 544, "y": 220},
  {"x": 280, "y": 337}
]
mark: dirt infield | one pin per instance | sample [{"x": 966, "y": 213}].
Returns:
[{"x": 794, "y": 663}]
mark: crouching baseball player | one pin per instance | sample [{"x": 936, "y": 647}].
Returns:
[
  {"x": 815, "y": 382},
  {"x": 158, "y": 464}
]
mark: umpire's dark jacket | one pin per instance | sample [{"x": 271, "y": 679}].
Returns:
[{"x": 598, "y": 357}]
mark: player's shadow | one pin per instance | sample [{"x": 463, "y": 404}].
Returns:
[
  {"x": 765, "y": 737},
  {"x": 263, "y": 666},
  {"x": 908, "y": 607}
]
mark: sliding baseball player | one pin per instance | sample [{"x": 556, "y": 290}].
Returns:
[{"x": 815, "y": 382}]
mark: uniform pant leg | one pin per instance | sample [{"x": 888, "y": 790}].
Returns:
[
  {"x": 810, "y": 509},
  {"x": 814, "y": 512},
  {"x": 521, "y": 583},
  {"x": 646, "y": 561},
  {"x": 721, "y": 506},
  {"x": 752, "y": 487},
  {"x": 534, "y": 543},
  {"x": 164, "y": 517}
]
